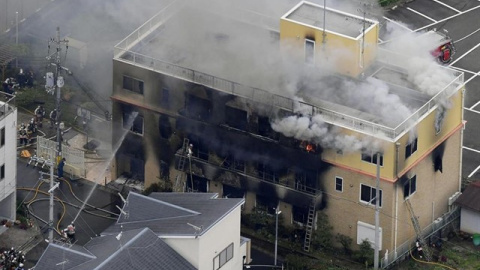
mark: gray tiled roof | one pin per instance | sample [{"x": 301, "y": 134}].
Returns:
[
  {"x": 171, "y": 213},
  {"x": 137, "y": 249},
  {"x": 470, "y": 197}
]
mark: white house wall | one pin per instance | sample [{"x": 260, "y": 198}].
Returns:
[
  {"x": 218, "y": 238},
  {"x": 469, "y": 221},
  {"x": 186, "y": 247},
  {"x": 8, "y": 153}
]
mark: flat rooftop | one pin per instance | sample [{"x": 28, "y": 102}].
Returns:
[
  {"x": 335, "y": 21},
  {"x": 239, "y": 53}
]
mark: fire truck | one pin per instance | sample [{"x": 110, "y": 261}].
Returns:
[{"x": 445, "y": 49}]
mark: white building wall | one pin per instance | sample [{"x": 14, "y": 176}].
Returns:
[
  {"x": 8, "y": 158},
  {"x": 218, "y": 238},
  {"x": 469, "y": 221}
]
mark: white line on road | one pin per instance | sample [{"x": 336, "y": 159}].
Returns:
[
  {"x": 469, "y": 51},
  {"x": 421, "y": 14},
  {"x": 460, "y": 39},
  {"x": 474, "y": 171},
  {"x": 441, "y": 3},
  {"x": 471, "y": 149},
  {"x": 471, "y": 78},
  {"x": 397, "y": 23},
  {"x": 446, "y": 19},
  {"x": 471, "y": 108}
]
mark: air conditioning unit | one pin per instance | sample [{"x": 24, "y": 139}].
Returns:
[{"x": 453, "y": 198}]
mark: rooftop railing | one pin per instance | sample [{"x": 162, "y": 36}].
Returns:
[
  {"x": 123, "y": 53},
  {"x": 7, "y": 104}
]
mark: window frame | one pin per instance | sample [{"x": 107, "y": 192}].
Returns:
[
  {"x": 131, "y": 129},
  {"x": 371, "y": 158},
  {"x": 336, "y": 184},
  {"x": 411, "y": 148},
  {"x": 2, "y": 172},
  {"x": 371, "y": 201},
  {"x": 137, "y": 86},
  {"x": 309, "y": 59},
  {"x": 223, "y": 257},
  {"x": 2, "y": 137},
  {"x": 409, "y": 184}
]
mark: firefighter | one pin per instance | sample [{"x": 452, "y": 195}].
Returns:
[
  {"x": 419, "y": 249},
  {"x": 53, "y": 118},
  {"x": 31, "y": 128},
  {"x": 23, "y": 135},
  {"x": 39, "y": 114},
  {"x": 190, "y": 151},
  {"x": 70, "y": 232}
]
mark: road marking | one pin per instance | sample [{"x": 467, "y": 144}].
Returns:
[
  {"x": 460, "y": 39},
  {"x": 397, "y": 23},
  {"x": 469, "y": 51},
  {"x": 446, "y": 19},
  {"x": 468, "y": 148},
  {"x": 474, "y": 171},
  {"x": 421, "y": 14},
  {"x": 441, "y": 3},
  {"x": 471, "y": 78},
  {"x": 471, "y": 108}
]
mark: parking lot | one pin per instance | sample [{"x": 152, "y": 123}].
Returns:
[{"x": 458, "y": 18}]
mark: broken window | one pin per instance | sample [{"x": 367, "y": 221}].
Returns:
[
  {"x": 437, "y": 163},
  {"x": 368, "y": 193},
  {"x": 411, "y": 148},
  {"x": 299, "y": 214},
  {"x": 267, "y": 173},
  {"x": 200, "y": 184},
  {"x": 133, "y": 85},
  {"x": 198, "y": 108},
  {"x": 199, "y": 147},
  {"x": 165, "y": 128},
  {"x": 410, "y": 187},
  {"x": 236, "y": 118},
  {"x": 132, "y": 120},
  {"x": 372, "y": 158},
  {"x": 233, "y": 192},
  {"x": 266, "y": 204},
  {"x": 265, "y": 128}
]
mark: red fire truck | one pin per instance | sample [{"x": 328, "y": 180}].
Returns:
[{"x": 445, "y": 49}]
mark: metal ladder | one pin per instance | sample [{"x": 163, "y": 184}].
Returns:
[
  {"x": 181, "y": 163},
  {"x": 309, "y": 227},
  {"x": 418, "y": 231}
]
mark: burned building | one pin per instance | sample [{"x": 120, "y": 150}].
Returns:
[{"x": 289, "y": 113}]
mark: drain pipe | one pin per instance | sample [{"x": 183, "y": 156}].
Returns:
[
  {"x": 461, "y": 142},
  {"x": 397, "y": 146}
]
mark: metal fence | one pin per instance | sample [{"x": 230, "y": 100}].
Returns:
[
  {"x": 75, "y": 165},
  {"x": 403, "y": 250}
]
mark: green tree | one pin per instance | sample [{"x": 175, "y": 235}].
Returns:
[
  {"x": 365, "y": 253},
  {"x": 322, "y": 237}
]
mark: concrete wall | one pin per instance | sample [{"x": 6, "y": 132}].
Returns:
[{"x": 469, "y": 221}]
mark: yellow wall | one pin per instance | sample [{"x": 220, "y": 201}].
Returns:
[
  {"x": 338, "y": 52},
  {"x": 427, "y": 141}
]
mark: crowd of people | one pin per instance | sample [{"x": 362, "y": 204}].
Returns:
[
  {"x": 11, "y": 84},
  {"x": 26, "y": 132},
  {"x": 12, "y": 259}
]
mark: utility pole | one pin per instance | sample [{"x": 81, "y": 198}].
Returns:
[
  {"x": 377, "y": 216},
  {"x": 16, "y": 37},
  {"x": 54, "y": 82},
  {"x": 277, "y": 212},
  {"x": 57, "y": 82}
]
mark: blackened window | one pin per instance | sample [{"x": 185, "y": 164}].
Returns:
[
  {"x": 372, "y": 158},
  {"x": 410, "y": 187},
  {"x": 411, "y": 148},
  {"x": 236, "y": 118},
  {"x": 133, "y": 122},
  {"x": 2, "y": 172},
  {"x": 339, "y": 184},
  {"x": 368, "y": 193},
  {"x": 133, "y": 85},
  {"x": 2, "y": 137},
  {"x": 198, "y": 108},
  {"x": 299, "y": 214},
  {"x": 266, "y": 204}
]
